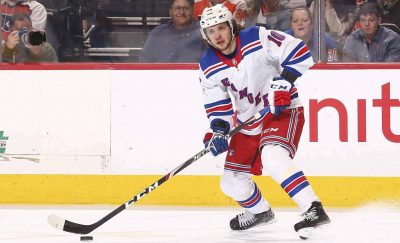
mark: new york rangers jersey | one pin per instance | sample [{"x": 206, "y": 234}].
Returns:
[{"x": 260, "y": 56}]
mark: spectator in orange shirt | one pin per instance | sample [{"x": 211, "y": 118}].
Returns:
[
  {"x": 274, "y": 14},
  {"x": 238, "y": 8}
]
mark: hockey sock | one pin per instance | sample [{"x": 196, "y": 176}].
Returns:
[
  {"x": 280, "y": 166},
  {"x": 300, "y": 190},
  {"x": 240, "y": 187},
  {"x": 255, "y": 203}
]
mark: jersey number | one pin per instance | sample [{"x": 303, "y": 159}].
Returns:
[{"x": 276, "y": 38}]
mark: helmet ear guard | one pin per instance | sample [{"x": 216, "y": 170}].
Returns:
[{"x": 215, "y": 15}]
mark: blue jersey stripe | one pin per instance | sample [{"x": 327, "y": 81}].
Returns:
[
  {"x": 220, "y": 102},
  {"x": 217, "y": 70},
  {"x": 292, "y": 53},
  {"x": 300, "y": 59},
  {"x": 252, "y": 50},
  {"x": 218, "y": 113},
  {"x": 295, "y": 95}
]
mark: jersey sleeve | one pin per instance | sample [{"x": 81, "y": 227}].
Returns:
[
  {"x": 216, "y": 99},
  {"x": 38, "y": 14},
  {"x": 289, "y": 54},
  {"x": 241, "y": 11}
]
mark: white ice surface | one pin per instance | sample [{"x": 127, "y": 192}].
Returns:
[{"x": 190, "y": 224}]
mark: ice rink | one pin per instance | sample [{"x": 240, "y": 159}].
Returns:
[{"x": 192, "y": 224}]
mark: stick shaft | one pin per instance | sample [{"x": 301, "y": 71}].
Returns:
[{"x": 85, "y": 229}]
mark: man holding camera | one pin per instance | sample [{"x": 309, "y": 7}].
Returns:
[{"x": 25, "y": 44}]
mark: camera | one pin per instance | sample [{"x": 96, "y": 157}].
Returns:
[{"x": 33, "y": 37}]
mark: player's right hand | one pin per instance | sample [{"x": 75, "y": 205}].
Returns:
[
  {"x": 216, "y": 141},
  {"x": 279, "y": 95}
]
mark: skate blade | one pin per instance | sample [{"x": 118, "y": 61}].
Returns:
[
  {"x": 305, "y": 233},
  {"x": 308, "y": 232},
  {"x": 257, "y": 225}
]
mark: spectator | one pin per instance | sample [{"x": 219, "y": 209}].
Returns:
[
  {"x": 238, "y": 8},
  {"x": 341, "y": 16},
  {"x": 19, "y": 47},
  {"x": 176, "y": 41},
  {"x": 302, "y": 28},
  {"x": 372, "y": 43},
  {"x": 341, "y": 19},
  {"x": 35, "y": 10},
  {"x": 275, "y": 14}
]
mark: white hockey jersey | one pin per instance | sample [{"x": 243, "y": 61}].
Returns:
[{"x": 260, "y": 56}]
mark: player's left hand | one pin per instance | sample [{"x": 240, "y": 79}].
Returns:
[
  {"x": 279, "y": 95},
  {"x": 216, "y": 141}
]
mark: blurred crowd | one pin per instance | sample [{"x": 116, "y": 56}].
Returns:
[{"x": 167, "y": 31}]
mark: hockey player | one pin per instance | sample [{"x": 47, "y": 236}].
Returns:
[{"x": 258, "y": 68}]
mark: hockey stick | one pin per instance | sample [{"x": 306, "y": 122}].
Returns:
[{"x": 72, "y": 227}]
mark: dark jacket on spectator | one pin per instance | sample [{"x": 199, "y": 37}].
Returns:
[
  {"x": 385, "y": 47},
  {"x": 167, "y": 44}
]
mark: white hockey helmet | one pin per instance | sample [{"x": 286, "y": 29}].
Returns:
[{"x": 215, "y": 15}]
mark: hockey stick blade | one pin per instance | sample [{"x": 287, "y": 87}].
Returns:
[
  {"x": 56, "y": 222},
  {"x": 71, "y": 227},
  {"x": 60, "y": 223}
]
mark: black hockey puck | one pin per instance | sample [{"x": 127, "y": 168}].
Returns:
[{"x": 86, "y": 238}]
